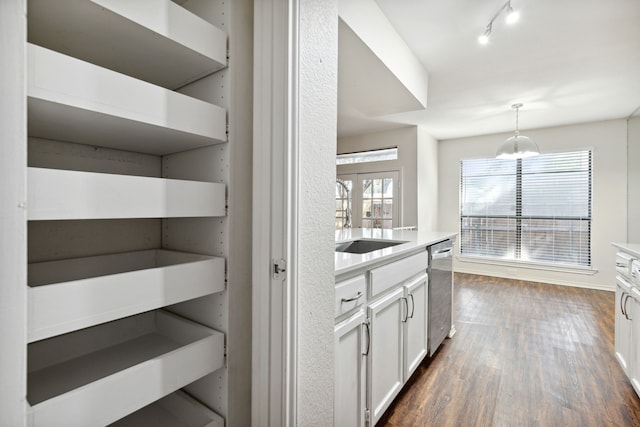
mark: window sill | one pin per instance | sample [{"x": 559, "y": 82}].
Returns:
[{"x": 587, "y": 271}]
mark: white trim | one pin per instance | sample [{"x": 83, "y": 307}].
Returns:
[
  {"x": 275, "y": 221},
  {"x": 590, "y": 271},
  {"x": 538, "y": 280},
  {"x": 13, "y": 218},
  {"x": 292, "y": 197}
]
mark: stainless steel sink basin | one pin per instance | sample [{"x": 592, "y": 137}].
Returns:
[{"x": 363, "y": 246}]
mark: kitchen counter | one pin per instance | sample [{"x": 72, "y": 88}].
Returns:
[
  {"x": 631, "y": 248},
  {"x": 346, "y": 263}
]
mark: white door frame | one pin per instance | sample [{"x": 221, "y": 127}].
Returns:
[{"x": 275, "y": 221}]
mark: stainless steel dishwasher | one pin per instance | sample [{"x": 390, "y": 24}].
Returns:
[{"x": 440, "y": 292}]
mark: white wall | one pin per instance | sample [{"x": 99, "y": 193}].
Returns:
[
  {"x": 633, "y": 166},
  {"x": 608, "y": 140},
  {"x": 318, "y": 82},
  {"x": 427, "y": 179},
  {"x": 405, "y": 139}
]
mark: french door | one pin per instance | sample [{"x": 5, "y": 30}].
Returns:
[{"x": 375, "y": 199}]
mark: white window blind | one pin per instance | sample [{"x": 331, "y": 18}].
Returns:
[{"x": 533, "y": 209}]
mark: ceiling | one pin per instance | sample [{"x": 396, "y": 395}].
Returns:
[{"x": 567, "y": 61}]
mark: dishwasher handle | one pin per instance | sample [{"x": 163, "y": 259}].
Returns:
[{"x": 443, "y": 253}]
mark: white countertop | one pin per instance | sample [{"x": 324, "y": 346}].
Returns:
[
  {"x": 632, "y": 248},
  {"x": 415, "y": 240}
]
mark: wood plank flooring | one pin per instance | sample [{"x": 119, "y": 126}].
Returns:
[{"x": 525, "y": 354}]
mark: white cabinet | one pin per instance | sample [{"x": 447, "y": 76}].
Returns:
[
  {"x": 633, "y": 311},
  {"x": 627, "y": 317},
  {"x": 623, "y": 323},
  {"x": 415, "y": 324},
  {"x": 380, "y": 346},
  {"x": 385, "y": 371},
  {"x": 351, "y": 348}
]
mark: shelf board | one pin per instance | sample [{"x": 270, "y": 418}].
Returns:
[
  {"x": 98, "y": 375},
  {"x": 156, "y": 41},
  {"x": 68, "y": 295},
  {"x": 75, "y": 101},
  {"x": 55, "y": 194},
  {"x": 174, "y": 410}
]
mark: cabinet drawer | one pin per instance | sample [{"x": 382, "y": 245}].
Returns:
[
  {"x": 350, "y": 294},
  {"x": 623, "y": 264},
  {"x": 383, "y": 278}
]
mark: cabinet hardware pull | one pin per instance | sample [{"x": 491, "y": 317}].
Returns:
[
  {"x": 413, "y": 306},
  {"x": 621, "y": 305},
  {"x": 621, "y": 264},
  {"x": 366, "y": 324},
  {"x": 626, "y": 314},
  {"x": 358, "y": 295},
  {"x": 406, "y": 309}
]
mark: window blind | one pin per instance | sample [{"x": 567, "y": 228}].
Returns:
[{"x": 533, "y": 209}]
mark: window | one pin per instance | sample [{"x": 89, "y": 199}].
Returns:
[
  {"x": 367, "y": 156},
  {"x": 534, "y": 209}
]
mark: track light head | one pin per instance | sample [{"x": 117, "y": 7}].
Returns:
[
  {"x": 512, "y": 15},
  {"x": 484, "y": 38}
]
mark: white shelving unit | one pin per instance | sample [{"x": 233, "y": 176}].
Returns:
[
  {"x": 175, "y": 410},
  {"x": 178, "y": 46},
  {"x": 128, "y": 106},
  {"x": 117, "y": 368},
  {"x": 76, "y": 101},
  {"x": 61, "y": 195},
  {"x": 71, "y": 294}
]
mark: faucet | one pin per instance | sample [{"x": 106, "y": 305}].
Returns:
[{"x": 347, "y": 222}]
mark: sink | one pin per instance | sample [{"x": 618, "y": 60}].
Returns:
[{"x": 363, "y": 246}]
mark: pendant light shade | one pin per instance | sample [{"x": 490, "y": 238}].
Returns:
[{"x": 518, "y": 146}]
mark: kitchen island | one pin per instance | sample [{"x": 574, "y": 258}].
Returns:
[{"x": 383, "y": 302}]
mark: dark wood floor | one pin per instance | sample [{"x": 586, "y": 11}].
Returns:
[{"x": 525, "y": 354}]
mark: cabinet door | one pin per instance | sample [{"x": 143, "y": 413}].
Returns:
[
  {"x": 384, "y": 377},
  {"x": 416, "y": 325},
  {"x": 351, "y": 347},
  {"x": 633, "y": 312},
  {"x": 623, "y": 324}
]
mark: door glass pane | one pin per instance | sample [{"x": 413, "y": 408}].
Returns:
[
  {"x": 344, "y": 199},
  {"x": 388, "y": 187},
  {"x": 387, "y": 211},
  {"x": 366, "y": 187},
  {"x": 377, "y": 188},
  {"x": 366, "y": 209}
]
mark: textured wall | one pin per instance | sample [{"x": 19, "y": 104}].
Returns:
[{"x": 317, "y": 142}]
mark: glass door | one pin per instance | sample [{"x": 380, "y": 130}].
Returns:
[{"x": 375, "y": 199}]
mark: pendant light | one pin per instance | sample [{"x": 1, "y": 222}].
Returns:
[{"x": 518, "y": 146}]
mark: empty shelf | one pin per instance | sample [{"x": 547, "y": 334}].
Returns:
[
  {"x": 174, "y": 410},
  {"x": 152, "y": 40},
  {"x": 55, "y": 194},
  {"x": 68, "y": 295},
  {"x": 98, "y": 375},
  {"x": 75, "y": 101}
]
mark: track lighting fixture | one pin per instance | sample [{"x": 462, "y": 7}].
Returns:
[{"x": 511, "y": 18}]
